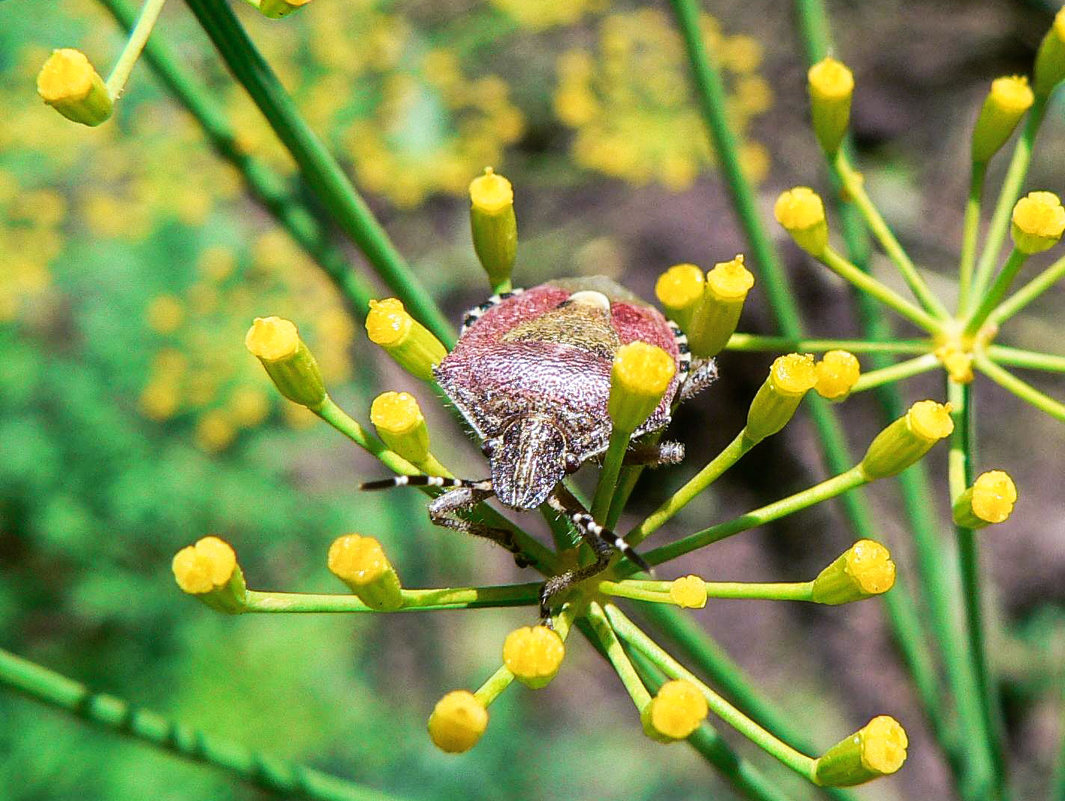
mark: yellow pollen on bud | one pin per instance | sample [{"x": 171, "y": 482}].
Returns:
[
  {"x": 491, "y": 193},
  {"x": 533, "y": 654},
  {"x": 679, "y": 289},
  {"x": 801, "y": 212},
  {"x": 208, "y": 565},
  {"x": 388, "y": 323},
  {"x": 272, "y": 339},
  {"x": 357, "y": 560},
  {"x": 675, "y": 712},
  {"x": 1038, "y": 222},
  {"x": 994, "y": 494},
  {"x": 688, "y": 592},
  {"x": 877, "y": 749},
  {"x": 397, "y": 413},
  {"x": 837, "y": 373},
  {"x": 1012, "y": 93},
  {"x": 930, "y": 420},
  {"x": 457, "y": 722},
  {"x": 69, "y": 84},
  {"x": 830, "y": 79},
  {"x": 640, "y": 376},
  {"x": 794, "y": 374},
  {"x": 729, "y": 281}
]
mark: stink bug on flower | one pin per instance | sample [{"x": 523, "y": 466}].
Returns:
[{"x": 531, "y": 375}]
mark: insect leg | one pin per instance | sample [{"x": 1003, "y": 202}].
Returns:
[
  {"x": 703, "y": 374},
  {"x": 655, "y": 454},
  {"x": 445, "y": 510},
  {"x": 474, "y": 314},
  {"x": 685, "y": 357},
  {"x": 562, "y": 501}
]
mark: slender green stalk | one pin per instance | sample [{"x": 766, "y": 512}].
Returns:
[
  {"x": 269, "y": 773},
  {"x": 754, "y": 342},
  {"x": 731, "y": 454},
  {"x": 634, "y": 636},
  {"x": 413, "y": 600},
  {"x": 970, "y": 235},
  {"x": 996, "y": 293},
  {"x": 759, "y": 517},
  {"x": 1018, "y": 357},
  {"x": 658, "y": 591},
  {"x": 1057, "y": 780},
  {"x": 1029, "y": 292},
  {"x": 1021, "y": 389},
  {"x": 116, "y": 81},
  {"x": 865, "y": 282},
  {"x": 1007, "y": 197},
  {"x": 263, "y": 183},
  {"x": 608, "y": 476},
  {"x": 896, "y": 372},
  {"x": 960, "y": 476},
  {"x": 855, "y": 189},
  {"x": 604, "y": 633},
  {"x": 317, "y": 166},
  {"x": 494, "y": 686}
]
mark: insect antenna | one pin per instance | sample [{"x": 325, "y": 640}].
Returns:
[{"x": 425, "y": 481}]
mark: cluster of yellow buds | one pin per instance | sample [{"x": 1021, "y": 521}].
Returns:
[{"x": 706, "y": 307}]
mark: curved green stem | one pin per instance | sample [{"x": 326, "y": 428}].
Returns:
[
  {"x": 274, "y": 775},
  {"x": 1021, "y": 389},
  {"x": 138, "y": 36},
  {"x": 754, "y": 342},
  {"x": 855, "y": 189},
  {"x": 428, "y": 600},
  {"x": 970, "y": 236},
  {"x": 896, "y": 372},
  {"x": 317, "y": 166},
  {"x": 1018, "y": 357},
  {"x": 1029, "y": 292}
]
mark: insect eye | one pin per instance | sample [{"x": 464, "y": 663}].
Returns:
[
  {"x": 488, "y": 447},
  {"x": 573, "y": 464}
]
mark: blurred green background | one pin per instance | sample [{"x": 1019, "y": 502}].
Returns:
[{"x": 133, "y": 422}]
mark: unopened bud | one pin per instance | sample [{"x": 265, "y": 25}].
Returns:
[
  {"x": 877, "y": 749},
  {"x": 989, "y": 500},
  {"x": 276, "y": 343},
  {"x": 675, "y": 712},
  {"x": 640, "y": 376},
  {"x": 831, "y": 86},
  {"x": 862, "y": 571},
  {"x": 457, "y": 722},
  {"x": 802, "y": 214},
  {"x": 1006, "y": 103},
  {"x": 209, "y": 571},
  {"x": 533, "y": 654},
  {"x": 716, "y": 318},
  {"x": 410, "y": 343},
  {"x": 360, "y": 562},
  {"x": 494, "y": 225},
  {"x": 790, "y": 378},
  {"x": 68, "y": 83},
  {"x": 1038, "y": 222},
  {"x": 907, "y": 439}
]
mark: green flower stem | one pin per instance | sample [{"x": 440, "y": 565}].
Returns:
[
  {"x": 502, "y": 287},
  {"x": 785, "y": 506},
  {"x": 1007, "y": 197},
  {"x": 731, "y": 454},
  {"x": 494, "y": 686},
  {"x": 1029, "y": 292},
  {"x": 1021, "y": 389},
  {"x": 866, "y": 283},
  {"x": 896, "y": 372},
  {"x": 658, "y": 591},
  {"x": 631, "y": 634},
  {"x": 960, "y": 476},
  {"x": 1017, "y": 357},
  {"x": 540, "y": 557},
  {"x": 970, "y": 235},
  {"x": 269, "y": 773},
  {"x": 608, "y": 476},
  {"x": 996, "y": 293},
  {"x": 138, "y": 36},
  {"x": 431, "y": 466},
  {"x": 263, "y": 183},
  {"x": 754, "y": 342},
  {"x": 317, "y": 166},
  {"x": 854, "y": 186},
  {"x": 611, "y": 646},
  {"x": 413, "y": 600}
]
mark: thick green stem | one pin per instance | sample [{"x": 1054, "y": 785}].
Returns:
[
  {"x": 138, "y": 36},
  {"x": 413, "y": 600},
  {"x": 896, "y": 372},
  {"x": 1021, "y": 389},
  {"x": 754, "y": 342},
  {"x": 317, "y": 166},
  {"x": 1007, "y": 196},
  {"x": 271, "y": 774},
  {"x": 996, "y": 293},
  {"x": 970, "y": 236},
  {"x": 1034, "y": 360},
  {"x": 855, "y": 189},
  {"x": 1029, "y": 292}
]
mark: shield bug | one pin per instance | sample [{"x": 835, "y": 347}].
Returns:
[{"x": 531, "y": 375}]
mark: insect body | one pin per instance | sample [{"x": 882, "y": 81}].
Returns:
[{"x": 531, "y": 374}]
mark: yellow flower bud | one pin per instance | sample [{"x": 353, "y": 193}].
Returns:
[
  {"x": 790, "y": 378},
  {"x": 276, "y": 9},
  {"x": 802, "y": 214},
  {"x": 907, "y": 439},
  {"x": 1006, "y": 103},
  {"x": 1050, "y": 59},
  {"x": 680, "y": 291},
  {"x": 862, "y": 571},
  {"x": 209, "y": 571},
  {"x": 989, "y": 500},
  {"x": 407, "y": 341},
  {"x": 276, "y": 343},
  {"x": 360, "y": 562},
  {"x": 640, "y": 377},
  {"x": 399, "y": 422},
  {"x": 831, "y": 86},
  {"x": 878, "y": 749},
  {"x": 688, "y": 592},
  {"x": 1038, "y": 222},
  {"x": 68, "y": 83},
  {"x": 675, "y": 712},
  {"x": 956, "y": 361},
  {"x": 533, "y": 654},
  {"x": 716, "y": 318},
  {"x": 493, "y": 224},
  {"x": 457, "y": 722},
  {"x": 837, "y": 373}
]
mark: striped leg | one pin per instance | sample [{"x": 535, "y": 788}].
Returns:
[
  {"x": 703, "y": 374},
  {"x": 474, "y": 314},
  {"x": 685, "y": 357}
]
